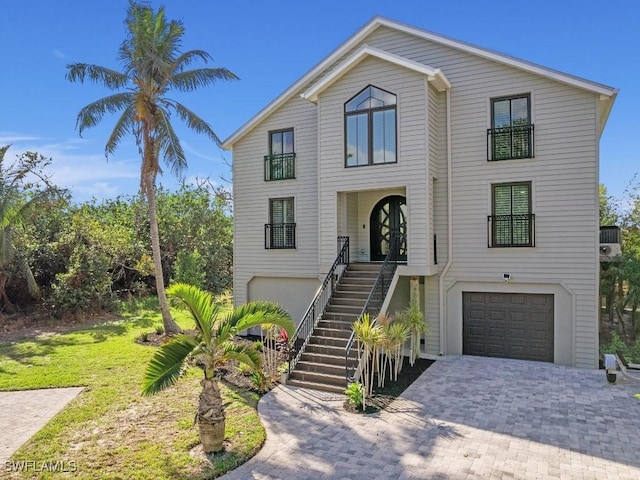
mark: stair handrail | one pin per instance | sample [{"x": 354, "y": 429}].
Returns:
[
  {"x": 319, "y": 303},
  {"x": 389, "y": 265}
]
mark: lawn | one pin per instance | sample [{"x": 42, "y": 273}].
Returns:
[{"x": 110, "y": 431}]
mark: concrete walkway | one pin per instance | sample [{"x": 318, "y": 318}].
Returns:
[
  {"x": 25, "y": 412},
  {"x": 465, "y": 418}
]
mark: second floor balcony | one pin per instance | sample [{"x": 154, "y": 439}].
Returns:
[
  {"x": 510, "y": 143},
  {"x": 280, "y": 167}
]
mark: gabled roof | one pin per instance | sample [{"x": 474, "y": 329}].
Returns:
[
  {"x": 607, "y": 94},
  {"x": 434, "y": 75}
]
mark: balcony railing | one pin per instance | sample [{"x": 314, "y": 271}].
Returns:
[
  {"x": 279, "y": 235},
  {"x": 509, "y": 143},
  {"x": 280, "y": 167},
  {"x": 512, "y": 230},
  {"x": 610, "y": 234}
]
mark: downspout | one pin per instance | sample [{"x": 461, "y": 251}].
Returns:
[{"x": 449, "y": 224}]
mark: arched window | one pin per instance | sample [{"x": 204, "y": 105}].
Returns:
[{"x": 370, "y": 128}]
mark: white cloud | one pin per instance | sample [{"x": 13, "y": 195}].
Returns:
[{"x": 59, "y": 54}]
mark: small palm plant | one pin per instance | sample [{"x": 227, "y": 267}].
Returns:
[
  {"x": 367, "y": 334},
  {"x": 211, "y": 347},
  {"x": 413, "y": 318}
]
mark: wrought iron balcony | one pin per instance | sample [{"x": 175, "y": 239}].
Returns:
[
  {"x": 279, "y": 235},
  {"x": 510, "y": 143},
  {"x": 512, "y": 230},
  {"x": 279, "y": 167}
]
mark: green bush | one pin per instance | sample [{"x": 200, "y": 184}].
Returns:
[
  {"x": 189, "y": 268},
  {"x": 355, "y": 395}
]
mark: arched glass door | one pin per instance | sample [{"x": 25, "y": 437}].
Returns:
[{"x": 389, "y": 227}]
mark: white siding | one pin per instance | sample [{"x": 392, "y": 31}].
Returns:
[
  {"x": 333, "y": 200},
  {"x": 563, "y": 174}
]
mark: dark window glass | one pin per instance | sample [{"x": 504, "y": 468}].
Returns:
[
  {"x": 512, "y": 220},
  {"x": 282, "y": 228},
  {"x": 370, "y": 128},
  {"x": 511, "y": 129}
]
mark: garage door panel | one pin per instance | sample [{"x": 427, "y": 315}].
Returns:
[{"x": 508, "y": 325}]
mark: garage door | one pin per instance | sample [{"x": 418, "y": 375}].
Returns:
[{"x": 508, "y": 325}]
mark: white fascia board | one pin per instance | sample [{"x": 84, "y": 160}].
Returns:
[
  {"x": 434, "y": 75},
  {"x": 501, "y": 58}
]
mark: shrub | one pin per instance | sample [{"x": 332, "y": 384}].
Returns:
[{"x": 355, "y": 395}]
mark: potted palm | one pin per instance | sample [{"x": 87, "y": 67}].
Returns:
[{"x": 211, "y": 347}]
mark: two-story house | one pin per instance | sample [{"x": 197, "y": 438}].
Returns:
[{"x": 484, "y": 166}]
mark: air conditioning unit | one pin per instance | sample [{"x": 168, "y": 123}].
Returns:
[{"x": 609, "y": 251}]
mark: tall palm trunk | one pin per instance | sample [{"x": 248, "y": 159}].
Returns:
[{"x": 170, "y": 326}]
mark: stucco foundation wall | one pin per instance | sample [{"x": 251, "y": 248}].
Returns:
[{"x": 294, "y": 294}]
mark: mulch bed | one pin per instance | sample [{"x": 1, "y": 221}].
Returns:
[{"x": 382, "y": 397}]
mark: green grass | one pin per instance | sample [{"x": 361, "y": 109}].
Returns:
[{"x": 110, "y": 431}]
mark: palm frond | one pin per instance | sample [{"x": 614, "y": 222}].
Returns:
[
  {"x": 187, "y": 58},
  {"x": 246, "y": 354},
  {"x": 79, "y": 72},
  {"x": 124, "y": 125},
  {"x": 92, "y": 114},
  {"x": 32, "y": 285},
  {"x": 169, "y": 144},
  {"x": 258, "y": 313},
  {"x": 200, "y": 304},
  {"x": 166, "y": 364},
  {"x": 191, "y": 80},
  {"x": 195, "y": 123}
]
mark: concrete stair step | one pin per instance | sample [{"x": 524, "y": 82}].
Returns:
[
  {"x": 340, "y": 317},
  {"x": 349, "y": 309},
  {"x": 330, "y": 341},
  {"x": 323, "y": 358},
  {"x": 349, "y": 302},
  {"x": 324, "y": 368},
  {"x": 317, "y": 348},
  {"x": 322, "y": 331},
  {"x": 335, "y": 323},
  {"x": 317, "y": 386},
  {"x": 319, "y": 378}
]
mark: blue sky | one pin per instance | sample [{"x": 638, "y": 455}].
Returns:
[{"x": 269, "y": 45}]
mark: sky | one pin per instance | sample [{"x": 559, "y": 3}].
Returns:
[{"x": 270, "y": 45}]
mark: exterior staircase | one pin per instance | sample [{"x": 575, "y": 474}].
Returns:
[{"x": 322, "y": 364}]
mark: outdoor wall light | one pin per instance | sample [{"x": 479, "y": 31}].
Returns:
[{"x": 506, "y": 277}]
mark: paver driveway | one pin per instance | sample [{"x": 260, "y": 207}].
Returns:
[{"x": 465, "y": 418}]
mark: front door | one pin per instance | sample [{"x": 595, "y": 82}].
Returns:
[{"x": 389, "y": 228}]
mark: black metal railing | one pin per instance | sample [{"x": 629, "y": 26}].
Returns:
[
  {"x": 319, "y": 303},
  {"x": 512, "y": 230},
  {"x": 509, "y": 143},
  {"x": 279, "y": 235},
  {"x": 609, "y": 234},
  {"x": 279, "y": 167},
  {"x": 373, "y": 305}
]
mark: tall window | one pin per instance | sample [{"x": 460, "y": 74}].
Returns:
[
  {"x": 512, "y": 223},
  {"x": 511, "y": 132},
  {"x": 280, "y": 163},
  {"x": 281, "y": 231},
  {"x": 370, "y": 128}
]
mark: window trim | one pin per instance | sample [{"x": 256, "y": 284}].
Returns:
[
  {"x": 269, "y": 243},
  {"x": 283, "y": 163},
  {"x": 369, "y": 112},
  {"x": 491, "y": 219},
  {"x": 491, "y": 131}
]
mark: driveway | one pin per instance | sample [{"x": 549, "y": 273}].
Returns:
[
  {"x": 465, "y": 418},
  {"x": 24, "y": 412}
]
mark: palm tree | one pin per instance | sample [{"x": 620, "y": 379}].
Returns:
[
  {"x": 153, "y": 66},
  {"x": 18, "y": 202},
  {"x": 211, "y": 347}
]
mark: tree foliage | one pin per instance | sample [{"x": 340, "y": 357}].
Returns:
[
  {"x": 620, "y": 278},
  {"x": 86, "y": 256},
  {"x": 153, "y": 67}
]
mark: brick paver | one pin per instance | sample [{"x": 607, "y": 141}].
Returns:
[
  {"x": 25, "y": 412},
  {"x": 465, "y": 418}
]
